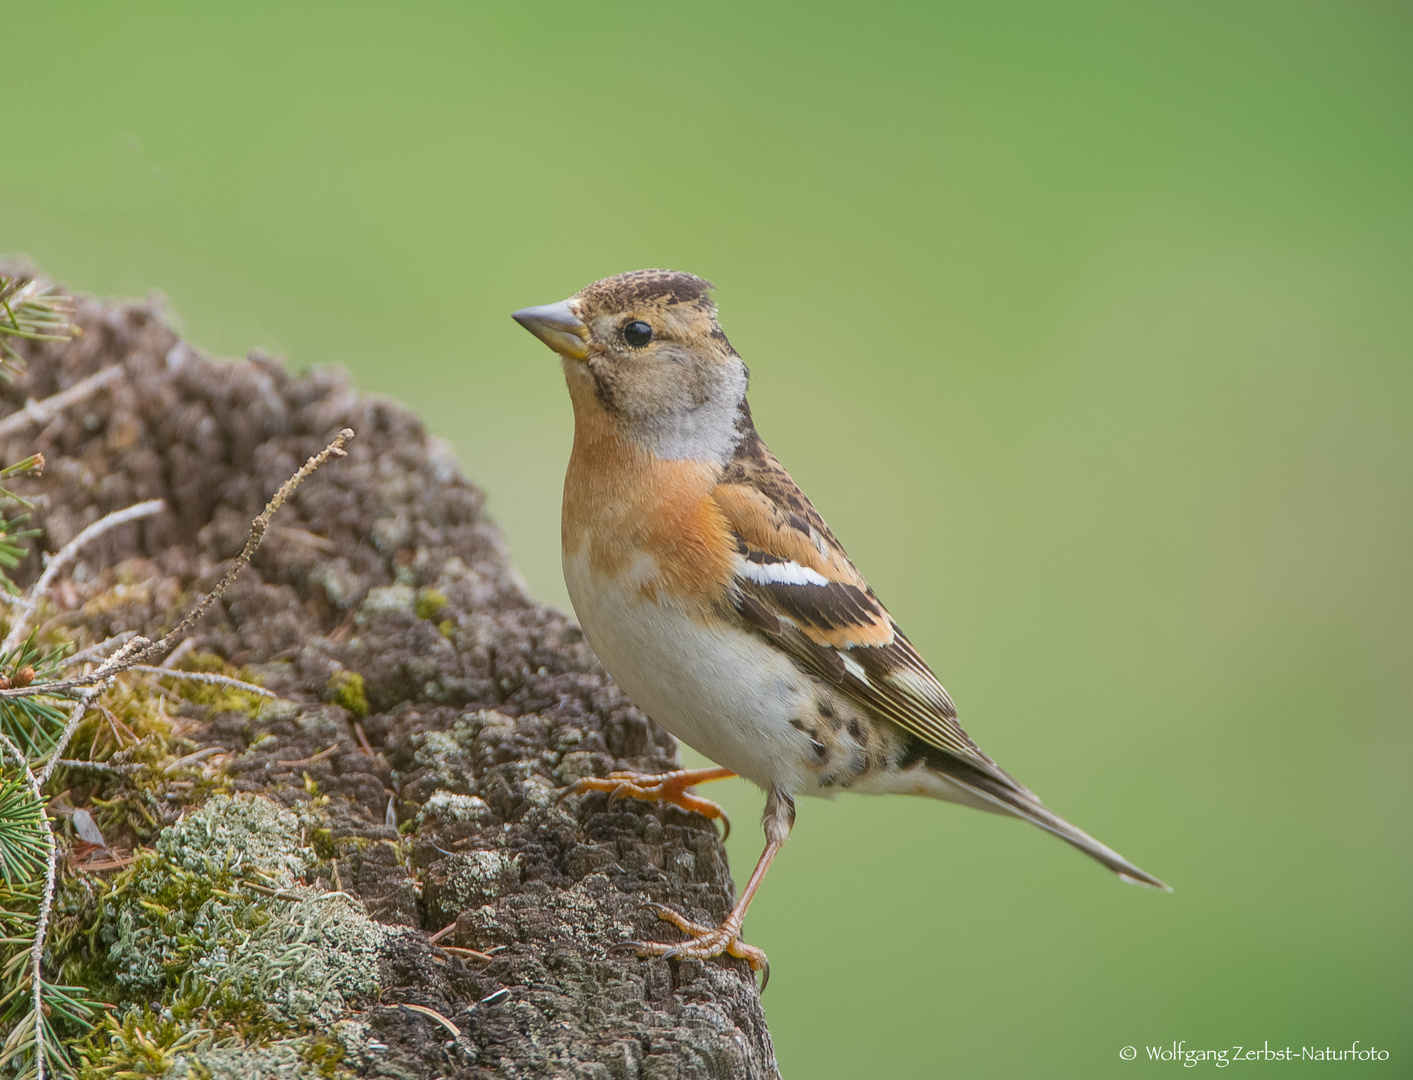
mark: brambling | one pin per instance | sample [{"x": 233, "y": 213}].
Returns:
[{"x": 716, "y": 596}]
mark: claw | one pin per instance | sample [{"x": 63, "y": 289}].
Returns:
[
  {"x": 703, "y": 942},
  {"x": 670, "y": 787}
]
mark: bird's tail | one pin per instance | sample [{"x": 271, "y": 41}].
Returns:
[{"x": 999, "y": 793}]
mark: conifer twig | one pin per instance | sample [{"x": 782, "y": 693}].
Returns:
[
  {"x": 257, "y": 533},
  {"x": 76, "y": 715},
  {"x": 65, "y": 556},
  {"x": 209, "y": 677},
  {"x": 130, "y": 654},
  {"x": 36, "y": 953},
  {"x": 94, "y": 651},
  {"x": 140, "y": 650},
  {"x": 47, "y": 408}
]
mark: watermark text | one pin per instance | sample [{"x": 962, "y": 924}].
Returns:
[{"x": 1189, "y": 1057}]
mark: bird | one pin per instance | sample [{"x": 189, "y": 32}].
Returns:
[{"x": 712, "y": 591}]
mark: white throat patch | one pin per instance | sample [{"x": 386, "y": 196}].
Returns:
[{"x": 707, "y": 432}]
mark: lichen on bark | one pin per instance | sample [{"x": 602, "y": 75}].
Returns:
[{"x": 406, "y": 783}]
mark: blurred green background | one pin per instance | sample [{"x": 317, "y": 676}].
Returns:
[{"x": 1089, "y": 328}]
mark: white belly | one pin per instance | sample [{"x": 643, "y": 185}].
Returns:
[{"x": 721, "y": 691}]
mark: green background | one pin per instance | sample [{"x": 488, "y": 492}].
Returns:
[{"x": 1088, "y": 327}]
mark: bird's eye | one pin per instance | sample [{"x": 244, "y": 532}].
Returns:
[{"x": 637, "y": 333}]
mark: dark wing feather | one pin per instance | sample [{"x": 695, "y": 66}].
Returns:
[{"x": 796, "y": 587}]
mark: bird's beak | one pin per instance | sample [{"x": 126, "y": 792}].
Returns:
[{"x": 558, "y": 327}]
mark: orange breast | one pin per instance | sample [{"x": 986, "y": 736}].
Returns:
[{"x": 643, "y": 520}]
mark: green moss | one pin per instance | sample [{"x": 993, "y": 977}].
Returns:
[
  {"x": 243, "y": 831},
  {"x": 219, "y": 952},
  {"x": 324, "y": 1054},
  {"x": 446, "y": 628},
  {"x": 132, "y": 727},
  {"x": 309, "y": 962},
  {"x": 287, "y": 1059},
  {"x": 346, "y": 688},
  {"x": 178, "y": 910},
  {"x": 322, "y": 841},
  {"x": 151, "y": 1044},
  {"x": 131, "y": 721},
  {"x": 220, "y": 698},
  {"x": 143, "y": 1043},
  {"x": 208, "y": 662},
  {"x": 429, "y": 603}
]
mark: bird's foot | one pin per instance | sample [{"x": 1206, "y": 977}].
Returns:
[
  {"x": 660, "y": 787},
  {"x": 706, "y": 942}
]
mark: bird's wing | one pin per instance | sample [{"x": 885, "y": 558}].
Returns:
[{"x": 795, "y": 585}]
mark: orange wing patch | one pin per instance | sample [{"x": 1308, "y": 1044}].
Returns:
[
  {"x": 767, "y": 527},
  {"x": 798, "y": 570}
]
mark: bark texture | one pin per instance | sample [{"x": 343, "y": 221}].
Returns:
[{"x": 383, "y": 596}]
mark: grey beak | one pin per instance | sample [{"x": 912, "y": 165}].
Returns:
[{"x": 557, "y": 326}]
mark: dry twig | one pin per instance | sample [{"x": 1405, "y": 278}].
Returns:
[
  {"x": 65, "y": 556},
  {"x": 39, "y": 412},
  {"x": 95, "y": 651},
  {"x": 320, "y": 756},
  {"x": 101, "y": 766},
  {"x": 75, "y": 718},
  {"x": 432, "y": 1014},
  {"x": 140, "y": 649},
  {"x": 209, "y": 677}
]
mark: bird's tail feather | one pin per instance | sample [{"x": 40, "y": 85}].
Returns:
[
  {"x": 1017, "y": 801},
  {"x": 1037, "y": 814}
]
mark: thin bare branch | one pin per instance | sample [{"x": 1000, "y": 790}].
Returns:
[
  {"x": 8, "y": 747},
  {"x": 140, "y": 649},
  {"x": 118, "y": 662},
  {"x": 39, "y": 412},
  {"x": 432, "y": 1014},
  {"x": 76, "y": 715},
  {"x": 95, "y": 651},
  {"x": 208, "y": 677},
  {"x": 467, "y": 954},
  {"x": 312, "y": 758},
  {"x": 175, "y": 656},
  {"x": 65, "y": 556},
  {"x": 102, "y": 766},
  {"x": 192, "y": 759},
  {"x": 257, "y": 533}
]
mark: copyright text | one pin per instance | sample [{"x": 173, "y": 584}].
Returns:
[{"x": 1178, "y": 1052}]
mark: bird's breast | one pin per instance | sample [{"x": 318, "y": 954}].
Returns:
[
  {"x": 647, "y": 560},
  {"x": 647, "y": 523},
  {"x": 721, "y": 690}
]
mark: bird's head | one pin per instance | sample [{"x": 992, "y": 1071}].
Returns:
[{"x": 646, "y": 349}]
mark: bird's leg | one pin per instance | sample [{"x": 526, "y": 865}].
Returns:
[
  {"x": 709, "y": 941},
  {"x": 660, "y": 787}
]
